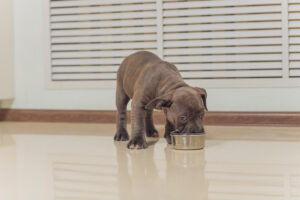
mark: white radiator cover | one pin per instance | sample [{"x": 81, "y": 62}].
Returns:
[{"x": 214, "y": 43}]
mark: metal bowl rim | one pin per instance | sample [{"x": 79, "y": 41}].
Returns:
[{"x": 189, "y": 134}]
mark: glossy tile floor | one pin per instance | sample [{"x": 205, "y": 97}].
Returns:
[{"x": 40, "y": 161}]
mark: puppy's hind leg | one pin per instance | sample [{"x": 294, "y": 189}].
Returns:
[
  {"x": 150, "y": 129},
  {"x": 121, "y": 101}
]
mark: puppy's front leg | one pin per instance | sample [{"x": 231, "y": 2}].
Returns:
[{"x": 138, "y": 113}]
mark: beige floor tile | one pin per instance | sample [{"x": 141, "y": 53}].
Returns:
[{"x": 81, "y": 162}]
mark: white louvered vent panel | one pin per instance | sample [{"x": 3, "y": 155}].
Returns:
[
  {"x": 215, "y": 43},
  {"x": 90, "y": 38},
  {"x": 219, "y": 39},
  {"x": 294, "y": 37}
]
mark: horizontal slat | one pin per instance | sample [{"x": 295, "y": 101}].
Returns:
[
  {"x": 57, "y": 4},
  {"x": 294, "y": 40},
  {"x": 61, "y": 194},
  {"x": 106, "y": 38},
  {"x": 295, "y": 64},
  {"x": 181, "y": 67},
  {"x": 295, "y": 181},
  {"x": 89, "y": 54},
  {"x": 232, "y": 74},
  {"x": 102, "y": 46},
  {"x": 83, "y": 54},
  {"x": 195, "y": 4},
  {"x": 244, "y": 179},
  {"x": 294, "y": 24},
  {"x": 84, "y": 188},
  {"x": 223, "y": 42},
  {"x": 295, "y": 192},
  {"x": 105, "y": 31},
  {"x": 294, "y": 16},
  {"x": 87, "y": 76},
  {"x": 103, "y": 16},
  {"x": 223, "y": 34},
  {"x": 222, "y": 11},
  {"x": 85, "y": 69},
  {"x": 223, "y": 50},
  {"x": 103, "y": 61},
  {"x": 294, "y": 48},
  {"x": 61, "y": 169},
  {"x": 246, "y": 189},
  {"x": 294, "y": 7},
  {"x": 224, "y": 58},
  {"x": 294, "y": 56},
  {"x": 228, "y": 18},
  {"x": 168, "y": 52},
  {"x": 234, "y": 65},
  {"x": 238, "y": 196},
  {"x": 201, "y": 74},
  {"x": 295, "y": 72},
  {"x": 117, "y": 8},
  {"x": 225, "y": 26},
  {"x": 101, "y": 24},
  {"x": 294, "y": 32}
]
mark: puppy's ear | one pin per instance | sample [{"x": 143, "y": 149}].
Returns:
[
  {"x": 159, "y": 103},
  {"x": 203, "y": 95}
]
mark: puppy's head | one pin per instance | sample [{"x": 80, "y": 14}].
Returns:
[{"x": 184, "y": 108}]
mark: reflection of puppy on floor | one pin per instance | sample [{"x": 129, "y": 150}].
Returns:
[
  {"x": 179, "y": 176},
  {"x": 138, "y": 175},
  {"x": 124, "y": 179},
  {"x": 185, "y": 177}
]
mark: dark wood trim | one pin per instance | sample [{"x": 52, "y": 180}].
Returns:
[
  {"x": 84, "y": 116},
  {"x": 253, "y": 118},
  {"x": 212, "y": 118}
]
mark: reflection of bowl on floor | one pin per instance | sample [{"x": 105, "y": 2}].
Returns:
[{"x": 188, "y": 141}]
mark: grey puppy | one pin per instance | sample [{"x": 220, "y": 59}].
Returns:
[{"x": 152, "y": 83}]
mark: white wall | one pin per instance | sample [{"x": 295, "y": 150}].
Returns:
[
  {"x": 30, "y": 77},
  {"x": 6, "y": 49},
  {"x": 30, "y": 62}
]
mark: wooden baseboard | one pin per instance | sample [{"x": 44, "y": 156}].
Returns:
[{"x": 212, "y": 118}]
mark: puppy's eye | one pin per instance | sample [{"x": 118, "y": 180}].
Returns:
[{"x": 182, "y": 118}]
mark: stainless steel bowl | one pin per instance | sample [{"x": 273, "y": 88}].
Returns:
[{"x": 188, "y": 141}]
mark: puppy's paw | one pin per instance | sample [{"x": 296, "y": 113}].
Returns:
[
  {"x": 121, "y": 136},
  {"x": 137, "y": 142},
  {"x": 152, "y": 132}
]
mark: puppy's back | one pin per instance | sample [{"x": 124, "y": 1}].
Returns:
[{"x": 133, "y": 67}]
